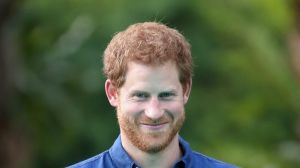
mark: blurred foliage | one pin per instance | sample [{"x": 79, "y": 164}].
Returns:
[{"x": 244, "y": 105}]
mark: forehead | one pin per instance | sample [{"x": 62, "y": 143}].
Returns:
[{"x": 149, "y": 76}]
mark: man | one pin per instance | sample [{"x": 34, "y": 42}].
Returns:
[{"x": 148, "y": 68}]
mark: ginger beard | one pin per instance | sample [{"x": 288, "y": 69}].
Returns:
[{"x": 148, "y": 141}]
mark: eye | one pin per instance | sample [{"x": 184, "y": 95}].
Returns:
[
  {"x": 140, "y": 95},
  {"x": 166, "y": 95}
]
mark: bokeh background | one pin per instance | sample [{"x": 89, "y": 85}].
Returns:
[{"x": 245, "y": 102}]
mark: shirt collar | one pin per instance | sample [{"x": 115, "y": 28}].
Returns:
[
  {"x": 187, "y": 154},
  {"x": 121, "y": 158},
  {"x": 119, "y": 155}
]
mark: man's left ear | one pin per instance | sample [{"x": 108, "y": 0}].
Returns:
[{"x": 187, "y": 90}]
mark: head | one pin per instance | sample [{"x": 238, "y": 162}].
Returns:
[
  {"x": 148, "y": 43},
  {"x": 148, "y": 68}
]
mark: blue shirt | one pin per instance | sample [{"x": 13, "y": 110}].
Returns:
[{"x": 117, "y": 157}]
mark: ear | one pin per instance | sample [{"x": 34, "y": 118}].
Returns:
[
  {"x": 186, "y": 91},
  {"x": 111, "y": 93}
]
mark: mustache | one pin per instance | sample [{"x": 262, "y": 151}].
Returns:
[{"x": 148, "y": 121}]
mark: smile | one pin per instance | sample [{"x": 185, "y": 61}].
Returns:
[{"x": 154, "y": 127}]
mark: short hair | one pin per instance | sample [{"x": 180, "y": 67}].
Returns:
[{"x": 149, "y": 43}]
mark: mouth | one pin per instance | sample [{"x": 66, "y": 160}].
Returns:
[{"x": 154, "y": 127}]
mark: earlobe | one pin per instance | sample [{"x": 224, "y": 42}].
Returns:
[
  {"x": 111, "y": 93},
  {"x": 186, "y": 91}
]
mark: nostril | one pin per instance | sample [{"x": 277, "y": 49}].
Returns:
[
  {"x": 154, "y": 113},
  {"x": 153, "y": 110}
]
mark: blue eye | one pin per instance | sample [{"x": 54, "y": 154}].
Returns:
[
  {"x": 166, "y": 95},
  {"x": 140, "y": 95}
]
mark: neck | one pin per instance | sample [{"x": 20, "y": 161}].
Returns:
[{"x": 165, "y": 158}]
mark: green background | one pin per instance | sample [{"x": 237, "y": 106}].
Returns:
[{"x": 244, "y": 106}]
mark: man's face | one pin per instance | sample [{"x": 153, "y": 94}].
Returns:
[{"x": 150, "y": 105}]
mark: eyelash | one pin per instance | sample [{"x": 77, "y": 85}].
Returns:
[
  {"x": 143, "y": 96},
  {"x": 166, "y": 95}
]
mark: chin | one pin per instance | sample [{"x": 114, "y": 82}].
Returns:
[{"x": 153, "y": 142}]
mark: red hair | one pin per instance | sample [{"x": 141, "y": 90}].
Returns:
[{"x": 149, "y": 43}]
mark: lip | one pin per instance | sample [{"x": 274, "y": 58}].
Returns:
[{"x": 154, "y": 126}]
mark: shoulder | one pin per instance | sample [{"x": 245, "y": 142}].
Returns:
[
  {"x": 100, "y": 160},
  {"x": 201, "y": 159}
]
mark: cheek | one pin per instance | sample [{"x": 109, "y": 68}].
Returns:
[
  {"x": 130, "y": 107},
  {"x": 175, "y": 107}
]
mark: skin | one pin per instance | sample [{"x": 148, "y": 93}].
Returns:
[{"x": 150, "y": 110}]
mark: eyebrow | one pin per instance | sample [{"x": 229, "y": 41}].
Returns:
[
  {"x": 170, "y": 90},
  {"x": 138, "y": 91},
  {"x": 167, "y": 90}
]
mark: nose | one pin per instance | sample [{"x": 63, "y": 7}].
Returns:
[{"x": 153, "y": 110}]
